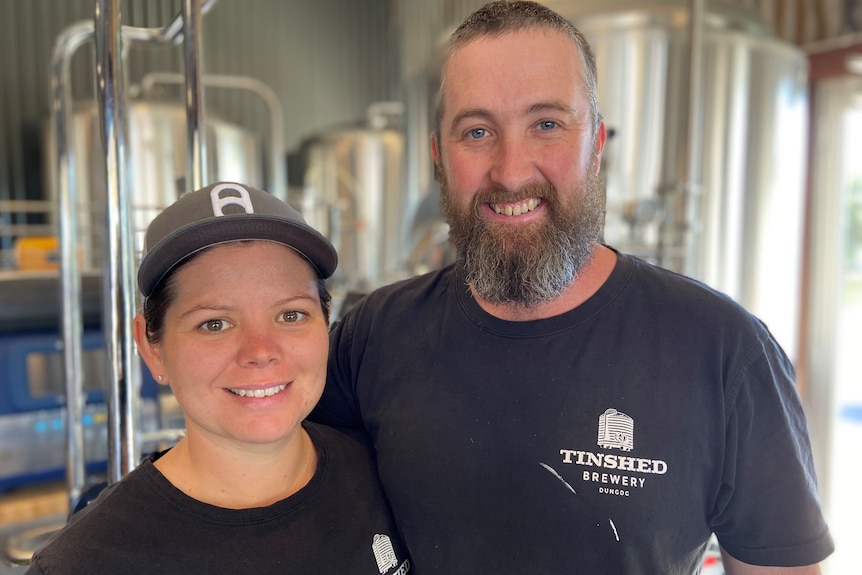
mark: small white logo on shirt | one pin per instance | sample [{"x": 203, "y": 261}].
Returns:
[
  {"x": 384, "y": 553},
  {"x": 616, "y": 430}
]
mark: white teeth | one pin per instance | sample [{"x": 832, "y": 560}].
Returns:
[
  {"x": 517, "y": 209},
  {"x": 258, "y": 392}
]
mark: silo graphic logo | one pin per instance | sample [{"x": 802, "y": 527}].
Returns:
[
  {"x": 384, "y": 553},
  {"x": 616, "y": 430}
]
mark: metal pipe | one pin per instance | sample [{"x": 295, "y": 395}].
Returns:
[
  {"x": 170, "y": 34},
  {"x": 277, "y": 176},
  {"x": 10, "y": 207},
  {"x": 196, "y": 146},
  {"x": 692, "y": 165},
  {"x": 678, "y": 240},
  {"x": 118, "y": 275},
  {"x": 65, "y": 46}
]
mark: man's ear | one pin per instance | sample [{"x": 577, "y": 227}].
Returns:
[
  {"x": 435, "y": 154},
  {"x": 601, "y": 139},
  {"x": 435, "y": 151}
]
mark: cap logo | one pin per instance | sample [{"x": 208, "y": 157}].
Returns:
[{"x": 220, "y": 202}]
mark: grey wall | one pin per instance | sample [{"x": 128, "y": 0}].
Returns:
[{"x": 326, "y": 59}]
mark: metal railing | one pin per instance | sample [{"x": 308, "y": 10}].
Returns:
[{"x": 119, "y": 291}]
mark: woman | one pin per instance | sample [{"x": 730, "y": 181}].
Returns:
[{"x": 235, "y": 320}]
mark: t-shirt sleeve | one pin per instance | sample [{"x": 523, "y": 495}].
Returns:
[
  {"x": 767, "y": 511},
  {"x": 35, "y": 568}
]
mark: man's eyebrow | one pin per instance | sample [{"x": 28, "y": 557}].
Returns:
[
  {"x": 554, "y": 106},
  {"x": 471, "y": 113}
]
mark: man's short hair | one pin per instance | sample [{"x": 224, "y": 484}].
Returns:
[{"x": 502, "y": 17}]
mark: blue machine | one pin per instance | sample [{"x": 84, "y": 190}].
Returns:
[{"x": 32, "y": 412}]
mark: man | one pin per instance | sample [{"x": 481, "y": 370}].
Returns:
[{"x": 547, "y": 404}]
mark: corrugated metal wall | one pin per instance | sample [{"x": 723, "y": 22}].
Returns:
[{"x": 327, "y": 60}]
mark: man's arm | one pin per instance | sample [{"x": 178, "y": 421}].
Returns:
[{"x": 735, "y": 567}]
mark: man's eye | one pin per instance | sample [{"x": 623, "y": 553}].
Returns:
[
  {"x": 547, "y": 125},
  {"x": 477, "y": 133},
  {"x": 213, "y": 325}
]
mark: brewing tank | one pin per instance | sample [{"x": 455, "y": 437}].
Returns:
[
  {"x": 745, "y": 236},
  {"x": 156, "y": 142},
  {"x": 353, "y": 192}
]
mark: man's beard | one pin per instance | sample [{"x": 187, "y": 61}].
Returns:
[{"x": 526, "y": 265}]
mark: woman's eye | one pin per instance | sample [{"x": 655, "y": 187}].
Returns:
[
  {"x": 477, "y": 133},
  {"x": 547, "y": 125},
  {"x": 291, "y": 316},
  {"x": 213, "y": 325}
]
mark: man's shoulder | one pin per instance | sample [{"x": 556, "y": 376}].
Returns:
[
  {"x": 412, "y": 291},
  {"x": 665, "y": 284},
  {"x": 657, "y": 291},
  {"x": 339, "y": 442}
]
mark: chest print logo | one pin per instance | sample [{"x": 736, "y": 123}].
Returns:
[
  {"x": 385, "y": 556},
  {"x": 616, "y": 430},
  {"x": 613, "y": 473},
  {"x": 609, "y": 474}
]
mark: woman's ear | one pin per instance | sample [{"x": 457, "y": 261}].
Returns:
[{"x": 149, "y": 351}]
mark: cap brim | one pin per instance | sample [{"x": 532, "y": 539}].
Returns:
[{"x": 189, "y": 240}]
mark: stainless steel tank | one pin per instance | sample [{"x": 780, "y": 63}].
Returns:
[
  {"x": 353, "y": 192},
  {"x": 157, "y": 159},
  {"x": 748, "y": 223}
]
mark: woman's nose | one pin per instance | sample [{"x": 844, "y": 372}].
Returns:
[{"x": 259, "y": 347}]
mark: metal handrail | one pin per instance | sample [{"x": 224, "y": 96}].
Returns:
[
  {"x": 66, "y": 45},
  {"x": 170, "y": 34},
  {"x": 118, "y": 295},
  {"x": 117, "y": 265},
  {"x": 196, "y": 166}
]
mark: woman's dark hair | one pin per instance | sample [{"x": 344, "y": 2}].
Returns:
[{"x": 156, "y": 306}]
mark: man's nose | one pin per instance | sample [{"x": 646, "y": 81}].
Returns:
[{"x": 512, "y": 164}]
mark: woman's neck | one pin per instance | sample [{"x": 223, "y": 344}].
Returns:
[{"x": 236, "y": 477}]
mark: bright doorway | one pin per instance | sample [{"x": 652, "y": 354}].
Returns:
[{"x": 834, "y": 328}]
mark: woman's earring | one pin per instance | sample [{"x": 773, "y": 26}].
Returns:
[{"x": 161, "y": 378}]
